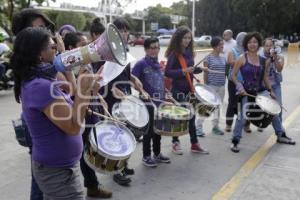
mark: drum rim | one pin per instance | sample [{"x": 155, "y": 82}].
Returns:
[
  {"x": 99, "y": 169},
  {"x": 177, "y": 117},
  {"x": 263, "y": 109},
  {"x": 139, "y": 101},
  {"x": 93, "y": 145},
  {"x": 211, "y": 90}
]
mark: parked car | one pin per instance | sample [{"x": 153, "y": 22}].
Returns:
[
  {"x": 279, "y": 43},
  {"x": 138, "y": 40},
  {"x": 164, "y": 40},
  {"x": 204, "y": 40}
]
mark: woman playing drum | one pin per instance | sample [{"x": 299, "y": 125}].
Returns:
[
  {"x": 255, "y": 80},
  {"x": 53, "y": 119},
  {"x": 180, "y": 69}
]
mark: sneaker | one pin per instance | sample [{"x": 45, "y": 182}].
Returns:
[
  {"x": 285, "y": 140},
  {"x": 161, "y": 158},
  {"x": 247, "y": 129},
  {"x": 260, "y": 129},
  {"x": 128, "y": 171},
  {"x": 139, "y": 139},
  {"x": 176, "y": 148},
  {"x": 199, "y": 132},
  {"x": 217, "y": 131},
  {"x": 228, "y": 128},
  {"x": 195, "y": 148},
  {"x": 149, "y": 162},
  {"x": 235, "y": 148},
  {"x": 98, "y": 193},
  {"x": 121, "y": 179}
]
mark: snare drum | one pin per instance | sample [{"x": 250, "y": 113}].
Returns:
[
  {"x": 115, "y": 143},
  {"x": 261, "y": 112},
  {"x": 205, "y": 100},
  {"x": 172, "y": 120},
  {"x": 134, "y": 113}
]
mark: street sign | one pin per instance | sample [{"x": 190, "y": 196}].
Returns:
[{"x": 154, "y": 26}]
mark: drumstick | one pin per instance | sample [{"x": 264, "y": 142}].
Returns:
[
  {"x": 134, "y": 101},
  {"x": 105, "y": 117},
  {"x": 196, "y": 78},
  {"x": 170, "y": 96},
  {"x": 104, "y": 108},
  {"x": 250, "y": 95},
  {"x": 200, "y": 61}
]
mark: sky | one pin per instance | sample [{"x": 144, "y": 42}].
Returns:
[{"x": 139, "y": 4}]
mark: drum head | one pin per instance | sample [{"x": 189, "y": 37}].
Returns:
[
  {"x": 115, "y": 141},
  {"x": 134, "y": 111},
  {"x": 173, "y": 112},
  {"x": 268, "y": 104},
  {"x": 207, "y": 95}
]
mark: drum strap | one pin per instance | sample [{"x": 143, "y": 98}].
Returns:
[
  {"x": 94, "y": 127},
  {"x": 187, "y": 75}
]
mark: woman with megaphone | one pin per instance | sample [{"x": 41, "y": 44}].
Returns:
[{"x": 53, "y": 118}]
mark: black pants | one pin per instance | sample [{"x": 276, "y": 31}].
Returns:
[
  {"x": 151, "y": 135},
  {"x": 232, "y": 104},
  {"x": 89, "y": 175},
  {"x": 182, "y": 97}
]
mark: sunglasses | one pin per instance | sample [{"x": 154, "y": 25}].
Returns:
[
  {"x": 154, "y": 48},
  {"x": 53, "y": 47}
]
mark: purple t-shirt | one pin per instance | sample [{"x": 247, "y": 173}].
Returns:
[
  {"x": 51, "y": 146},
  {"x": 149, "y": 73}
]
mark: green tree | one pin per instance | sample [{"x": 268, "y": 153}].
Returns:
[
  {"x": 180, "y": 8},
  {"x": 164, "y": 21},
  {"x": 78, "y": 20},
  {"x": 9, "y": 7},
  {"x": 135, "y": 25}
]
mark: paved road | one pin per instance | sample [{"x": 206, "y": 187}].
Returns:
[{"x": 189, "y": 176}]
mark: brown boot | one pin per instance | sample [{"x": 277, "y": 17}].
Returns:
[{"x": 99, "y": 193}]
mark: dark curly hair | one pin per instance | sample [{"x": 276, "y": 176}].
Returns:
[
  {"x": 149, "y": 41},
  {"x": 97, "y": 27},
  {"x": 121, "y": 23},
  {"x": 25, "y": 17},
  {"x": 28, "y": 46},
  {"x": 175, "y": 43},
  {"x": 71, "y": 39},
  {"x": 251, "y": 35}
]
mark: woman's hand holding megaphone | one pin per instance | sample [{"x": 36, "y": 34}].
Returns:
[
  {"x": 88, "y": 81},
  {"x": 60, "y": 43}
]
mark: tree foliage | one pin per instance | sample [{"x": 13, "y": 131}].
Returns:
[
  {"x": 78, "y": 20},
  {"x": 270, "y": 17},
  {"x": 9, "y": 7}
]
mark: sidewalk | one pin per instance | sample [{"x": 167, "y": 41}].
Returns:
[{"x": 278, "y": 176}]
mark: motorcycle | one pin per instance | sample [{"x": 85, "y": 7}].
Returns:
[{"x": 6, "y": 73}]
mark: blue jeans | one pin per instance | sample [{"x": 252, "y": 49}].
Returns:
[
  {"x": 240, "y": 121},
  {"x": 277, "y": 120},
  {"x": 35, "y": 193}
]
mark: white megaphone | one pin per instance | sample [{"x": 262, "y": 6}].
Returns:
[{"x": 108, "y": 47}]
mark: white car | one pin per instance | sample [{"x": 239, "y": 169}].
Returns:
[
  {"x": 164, "y": 40},
  {"x": 204, "y": 40},
  {"x": 278, "y": 43}
]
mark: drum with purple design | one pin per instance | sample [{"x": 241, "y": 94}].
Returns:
[{"x": 115, "y": 143}]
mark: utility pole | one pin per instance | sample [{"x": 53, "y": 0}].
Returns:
[{"x": 193, "y": 19}]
